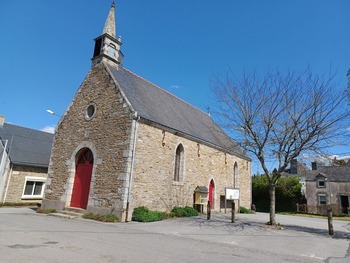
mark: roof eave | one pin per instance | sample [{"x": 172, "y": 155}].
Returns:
[{"x": 31, "y": 164}]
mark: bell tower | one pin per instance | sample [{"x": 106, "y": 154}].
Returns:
[{"x": 107, "y": 46}]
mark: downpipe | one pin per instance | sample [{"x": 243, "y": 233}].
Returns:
[{"x": 131, "y": 168}]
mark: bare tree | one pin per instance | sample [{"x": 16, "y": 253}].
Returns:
[{"x": 280, "y": 115}]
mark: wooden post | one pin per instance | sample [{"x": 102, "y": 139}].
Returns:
[
  {"x": 233, "y": 212},
  {"x": 225, "y": 204},
  {"x": 208, "y": 210},
  {"x": 330, "y": 221}
]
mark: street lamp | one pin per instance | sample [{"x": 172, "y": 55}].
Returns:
[
  {"x": 52, "y": 113},
  {"x": 329, "y": 210}
]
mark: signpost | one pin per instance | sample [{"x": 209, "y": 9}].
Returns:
[{"x": 232, "y": 194}]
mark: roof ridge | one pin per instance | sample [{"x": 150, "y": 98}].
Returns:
[{"x": 155, "y": 85}]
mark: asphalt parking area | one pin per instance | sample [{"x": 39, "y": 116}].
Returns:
[
  {"x": 30, "y": 237},
  {"x": 301, "y": 236}
]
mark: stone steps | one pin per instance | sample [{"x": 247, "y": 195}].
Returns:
[{"x": 70, "y": 213}]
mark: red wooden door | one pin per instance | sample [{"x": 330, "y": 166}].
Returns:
[
  {"x": 211, "y": 193},
  {"x": 82, "y": 180}
]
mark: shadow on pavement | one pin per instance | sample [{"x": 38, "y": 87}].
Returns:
[{"x": 223, "y": 222}]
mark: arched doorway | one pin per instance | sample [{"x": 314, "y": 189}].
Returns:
[
  {"x": 82, "y": 179},
  {"x": 211, "y": 193}
]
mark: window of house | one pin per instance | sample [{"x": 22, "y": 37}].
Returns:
[
  {"x": 321, "y": 183},
  {"x": 235, "y": 175},
  {"x": 322, "y": 200},
  {"x": 33, "y": 187},
  {"x": 179, "y": 163}
]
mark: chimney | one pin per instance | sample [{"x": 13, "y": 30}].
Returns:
[
  {"x": 294, "y": 166},
  {"x": 313, "y": 166},
  {"x": 2, "y": 121}
]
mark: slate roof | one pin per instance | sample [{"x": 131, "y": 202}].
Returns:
[
  {"x": 156, "y": 105},
  {"x": 203, "y": 189},
  {"x": 27, "y": 146},
  {"x": 333, "y": 173}
]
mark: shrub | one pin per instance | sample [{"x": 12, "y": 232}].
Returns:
[
  {"x": 110, "y": 218},
  {"x": 143, "y": 214},
  {"x": 169, "y": 215},
  {"x": 186, "y": 211},
  {"x": 178, "y": 211},
  {"x": 245, "y": 210},
  {"x": 288, "y": 193},
  {"x": 190, "y": 211}
]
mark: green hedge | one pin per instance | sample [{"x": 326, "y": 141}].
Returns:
[
  {"x": 288, "y": 193},
  {"x": 143, "y": 214},
  {"x": 186, "y": 211},
  {"x": 244, "y": 210}
]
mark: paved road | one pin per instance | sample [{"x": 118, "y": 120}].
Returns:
[{"x": 29, "y": 237}]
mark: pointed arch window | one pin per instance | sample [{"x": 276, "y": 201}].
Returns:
[
  {"x": 179, "y": 163},
  {"x": 235, "y": 175}
]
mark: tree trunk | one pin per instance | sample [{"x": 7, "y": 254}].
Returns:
[{"x": 272, "y": 192}]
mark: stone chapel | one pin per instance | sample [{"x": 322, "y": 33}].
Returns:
[{"x": 124, "y": 142}]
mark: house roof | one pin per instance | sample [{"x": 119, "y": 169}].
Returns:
[
  {"x": 333, "y": 173},
  {"x": 159, "y": 107},
  {"x": 27, "y": 146}
]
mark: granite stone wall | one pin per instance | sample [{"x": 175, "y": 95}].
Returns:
[{"x": 153, "y": 182}]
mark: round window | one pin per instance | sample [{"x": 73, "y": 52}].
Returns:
[{"x": 90, "y": 112}]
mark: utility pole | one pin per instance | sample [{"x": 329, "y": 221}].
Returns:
[{"x": 329, "y": 210}]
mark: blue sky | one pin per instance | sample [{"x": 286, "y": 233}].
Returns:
[{"x": 180, "y": 45}]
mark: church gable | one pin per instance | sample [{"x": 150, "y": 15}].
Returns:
[{"x": 100, "y": 119}]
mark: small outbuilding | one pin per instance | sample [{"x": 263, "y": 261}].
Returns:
[{"x": 24, "y": 162}]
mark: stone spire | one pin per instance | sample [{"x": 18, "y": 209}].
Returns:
[
  {"x": 107, "y": 47},
  {"x": 109, "y": 27}
]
